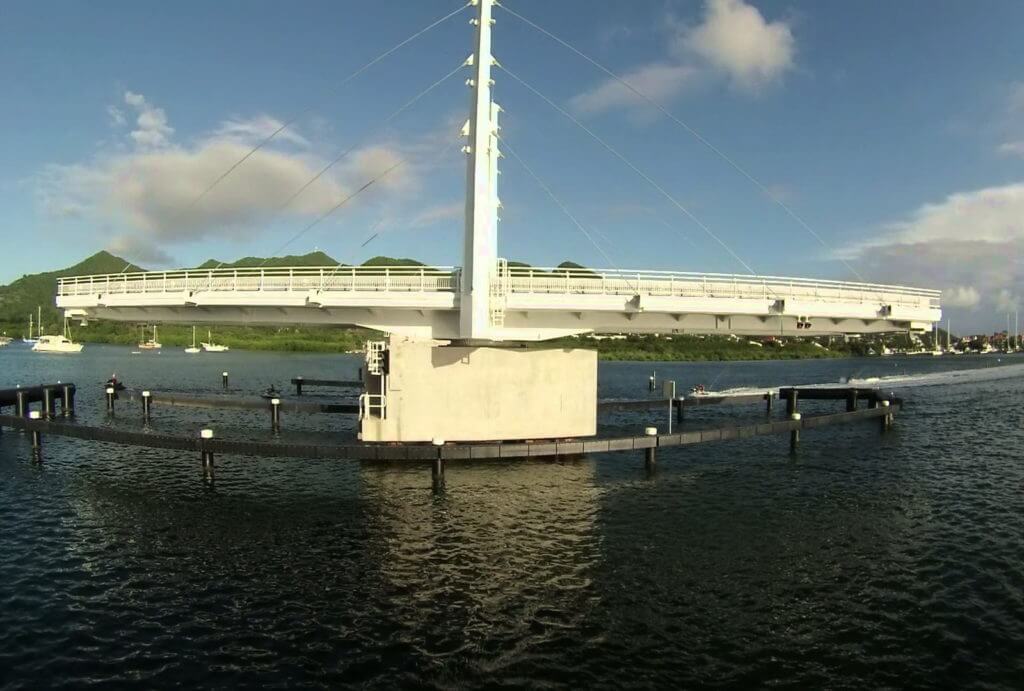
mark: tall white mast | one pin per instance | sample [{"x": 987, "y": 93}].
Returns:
[{"x": 480, "y": 252}]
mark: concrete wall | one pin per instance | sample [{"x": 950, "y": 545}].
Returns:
[{"x": 471, "y": 393}]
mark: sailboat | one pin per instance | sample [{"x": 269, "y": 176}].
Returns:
[
  {"x": 57, "y": 344},
  {"x": 151, "y": 344},
  {"x": 29, "y": 338},
  {"x": 211, "y": 347},
  {"x": 193, "y": 350}
]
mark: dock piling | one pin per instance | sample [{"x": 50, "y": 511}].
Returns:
[
  {"x": 794, "y": 435},
  {"x": 20, "y": 405},
  {"x": 792, "y": 402},
  {"x": 224, "y": 380},
  {"x": 37, "y": 439},
  {"x": 67, "y": 400},
  {"x": 110, "y": 400},
  {"x": 298, "y": 385},
  {"x": 886, "y": 420},
  {"x": 275, "y": 415},
  {"x": 147, "y": 406},
  {"x": 851, "y": 401},
  {"x": 437, "y": 467},
  {"x": 652, "y": 381},
  {"x": 768, "y": 403},
  {"x": 649, "y": 452},
  {"x": 48, "y": 403},
  {"x": 206, "y": 455}
]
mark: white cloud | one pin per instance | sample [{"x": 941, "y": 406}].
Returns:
[
  {"x": 1013, "y": 122},
  {"x": 971, "y": 242},
  {"x": 454, "y": 211},
  {"x": 146, "y": 197},
  {"x": 733, "y": 40},
  {"x": 252, "y": 131},
  {"x": 1012, "y": 148},
  {"x": 116, "y": 115},
  {"x": 961, "y": 296},
  {"x": 659, "y": 81},
  {"x": 736, "y": 38},
  {"x": 152, "y": 130}
]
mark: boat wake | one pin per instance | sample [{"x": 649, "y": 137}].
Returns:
[{"x": 963, "y": 376}]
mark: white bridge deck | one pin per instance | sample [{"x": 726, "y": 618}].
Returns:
[{"x": 526, "y": 303}]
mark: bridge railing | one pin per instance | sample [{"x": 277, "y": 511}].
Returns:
[
  {"x": 698, "y": 285},
  {"x": 272, "y": 279}
]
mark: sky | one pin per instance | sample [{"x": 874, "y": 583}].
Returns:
[{"x": 830, "y": 139}]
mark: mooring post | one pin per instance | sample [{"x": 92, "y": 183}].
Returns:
[
  {"x": 20, "y": 406},
  {"x": 851, "y": 400},
  {"x": 275, "y": 415},
  {"x": 649, "y": 455},
  {"x": 437, "y": 466},
  {"x": 110, "y": 400},
  {"x": 298, "y": 385},
  {"x": 768, "y": 403},
  {"x": 224, "y": 380},
  {"x": 680, "y": 410},
  {"x": 67, "y": 400},
  {"x": 147, "y": 405},
  {"x": 791, "y": 402},
  {"x": 47, "y": 403},
  {"x": 206, "y": 455},
  {"x": 652, "y": 381},
  {"x": 886, "y": 419},
  {"x": 37, "y": 439},
  {"x": 794, "y": 435}
]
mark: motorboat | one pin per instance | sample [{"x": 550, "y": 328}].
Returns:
[
  {"x": 211, "y": 347},
  {"x": 192, "y": 350},
  {"x": 270, "y": 393},
  {"x": 151, "y": 344},
  {"x": 56, "y": 344}
]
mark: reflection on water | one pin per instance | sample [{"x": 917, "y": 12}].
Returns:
[{"x": 863, "y": 561}]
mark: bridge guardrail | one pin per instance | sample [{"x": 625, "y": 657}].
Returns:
[
  {"x": 329, "y": 278},
  {"x": 519, "y": 280},
  {"x": 710, "y": 285}
]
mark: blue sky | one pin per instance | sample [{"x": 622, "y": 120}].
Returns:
[{"x": 896, "y": 130}]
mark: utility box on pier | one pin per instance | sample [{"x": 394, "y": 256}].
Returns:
[{"x": 429, "y": 391}]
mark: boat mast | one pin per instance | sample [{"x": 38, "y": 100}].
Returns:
[{"x": 480, "y": 251}]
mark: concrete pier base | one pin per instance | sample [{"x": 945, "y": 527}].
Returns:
[{"x": 428, "y": 390}]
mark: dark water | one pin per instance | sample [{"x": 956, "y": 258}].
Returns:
[{"x": 864, "y": 561}]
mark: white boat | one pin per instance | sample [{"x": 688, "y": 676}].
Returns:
[
  {"x": 211, "y": 347},
  {"x": 57, "y": 344},
  {"x": 151, "y": 344},
  {"x": 193, "y": 350}
]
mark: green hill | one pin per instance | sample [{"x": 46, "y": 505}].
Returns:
[
  {"x": 311, "y": 259},
  {"x": 21, "y": 298},
  {"x": 391, "y": 261}
]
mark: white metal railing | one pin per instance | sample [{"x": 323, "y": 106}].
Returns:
[
  {"x": 698, "y": 285},
  {"x": 326, "y": 278},
  {"x": 515, "y": 280}
]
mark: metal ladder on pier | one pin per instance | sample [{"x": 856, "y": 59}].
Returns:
[{"x": 375, "y": 404}]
